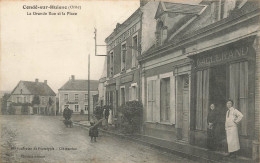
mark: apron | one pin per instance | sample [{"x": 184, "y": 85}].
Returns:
[{"x": 232, "y": 132}]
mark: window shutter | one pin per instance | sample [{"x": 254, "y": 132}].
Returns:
[
  {"x": 150, "y": 103},
  {"x": 172, "y": 99},
  {"x": 199, "y": 101},
  {"x": 156, "y": 112}
]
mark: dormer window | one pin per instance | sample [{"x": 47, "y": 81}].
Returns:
[{"x": 161, "y": 32}]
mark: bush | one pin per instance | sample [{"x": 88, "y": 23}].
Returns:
[
  {"x": 132, "y": 116},
  {"x": 98, "y": 112}
]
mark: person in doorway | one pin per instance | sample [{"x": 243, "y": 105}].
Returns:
[
  {"x": 212, "y": 120},
  {"x": 233, "y": 117}
]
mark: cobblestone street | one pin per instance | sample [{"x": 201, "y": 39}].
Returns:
[{"x": 46, "y": 139}]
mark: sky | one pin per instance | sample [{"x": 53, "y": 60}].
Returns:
[{"x": 54, "y": 47}]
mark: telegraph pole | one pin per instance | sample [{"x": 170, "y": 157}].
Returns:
[{"x": 89, "y": 87}]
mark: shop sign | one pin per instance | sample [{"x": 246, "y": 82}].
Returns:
[
  {"x": 126, "y": 79},
  {"x": 72, "y": 102},
  {"x": 124, "y": 35},
  {"x": 224, "y": 56}
]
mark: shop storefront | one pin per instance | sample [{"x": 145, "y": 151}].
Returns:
[{"x": 223, "y": 73}]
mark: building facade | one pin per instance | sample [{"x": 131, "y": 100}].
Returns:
[
  {"x": 38, "y": 96},
  {"x": 205, "y": 53},
  {"x": 122, "y": 82},
  {"x": 74, "y": 94}
]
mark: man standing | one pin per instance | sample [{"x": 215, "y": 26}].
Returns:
[{"x": 233, "y": 117}]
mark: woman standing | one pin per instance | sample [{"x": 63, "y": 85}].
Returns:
[
  {"x": 233, "y": 117},
  {"x": 212, "y": 124}
]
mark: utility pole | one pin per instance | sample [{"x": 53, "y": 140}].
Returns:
[{"x": 89, "y": 87}]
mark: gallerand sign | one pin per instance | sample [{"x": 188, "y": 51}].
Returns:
[{"x": 224, "y": 56}]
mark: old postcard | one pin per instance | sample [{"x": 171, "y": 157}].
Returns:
[{"x": 130, "y": 81}]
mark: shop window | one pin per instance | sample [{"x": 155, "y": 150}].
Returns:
[
  {"x": 151, "y": 100},
  {"x": 238, "y": 91},
  {"x": 123, "y": 57},
  {"x": 76, "y": 108},
  {"x": 134, "y": 51},
  {"x": 165, "y": 99},
  {"x": 202, "y": 99}
]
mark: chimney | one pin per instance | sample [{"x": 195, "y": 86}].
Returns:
[
  {"x": 45, "y": 81},
  {"x": 36, "y": 80},
  {"x": 72, "y": 77}
]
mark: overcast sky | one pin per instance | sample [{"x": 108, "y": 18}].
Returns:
[{"x": 55, "y": 47}]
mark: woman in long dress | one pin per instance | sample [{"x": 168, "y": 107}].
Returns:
[
  {"x": 233, "y": 117},
  {"x": 110, "y": 117}
]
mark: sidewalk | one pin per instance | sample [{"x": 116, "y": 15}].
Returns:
[{"x": 182, "y": 149}]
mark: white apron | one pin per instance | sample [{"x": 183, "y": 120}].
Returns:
[
  {"x": 110, "y": 117},
  {"x": 232, "y": 120}
]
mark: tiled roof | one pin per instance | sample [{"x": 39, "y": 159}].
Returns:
[
  {"x": 183, "y": 8},
  {"x": 80, "y": 85},
  {"x": 38, "y": 88}
]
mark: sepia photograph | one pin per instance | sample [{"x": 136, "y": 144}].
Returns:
[{"x": 129, "y": 81}]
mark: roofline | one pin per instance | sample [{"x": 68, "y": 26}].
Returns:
[
  {"x": 137, "y": 11},
  {"x": 175, "y": 45}
]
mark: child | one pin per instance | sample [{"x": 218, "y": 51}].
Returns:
[{"x": 93, "y": 131}]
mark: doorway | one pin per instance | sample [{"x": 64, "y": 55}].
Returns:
[{"x": 218, "y": 96}]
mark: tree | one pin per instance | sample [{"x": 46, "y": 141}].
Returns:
[{"x": 4, "y": 103}]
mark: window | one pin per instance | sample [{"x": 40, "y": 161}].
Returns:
[
  {"x": 122, "y": 99},
  {"x": 134, "y": 51},
  {"x": 66, "y": 97},
  {"x": 86, "y": 107},
  {"x": 43, "y": 100},
  {"x": 76, "y": 108},
  {"x": 161, "y": 32},
  {"x": 165, "y": 99},
  {"x": 123, "y": 57},
  {"x": 18, "y": 99},
  {"x": 111, "y": 64},
  {"x": 21, "y": 91},
  {"x": 76, "y": 97},
  {"x": 151, "y": 99},
  {"x": 86, "y": 97},
  {"x": 24, "y": 99},
  {"x": 133, "y": 92}
]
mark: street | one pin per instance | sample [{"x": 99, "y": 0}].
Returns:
[{"x": 33, "y": 138}]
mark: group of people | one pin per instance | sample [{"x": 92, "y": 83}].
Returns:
[{"x": 233, "y": 117}]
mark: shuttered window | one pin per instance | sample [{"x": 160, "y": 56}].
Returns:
[
  {"x": 238, "y": 90},
  {"x": 151, "y": 100},
  {"x": 202, "y": 99}
]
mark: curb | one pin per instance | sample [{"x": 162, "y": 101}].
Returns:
[{"x": 168, "y": 150}]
